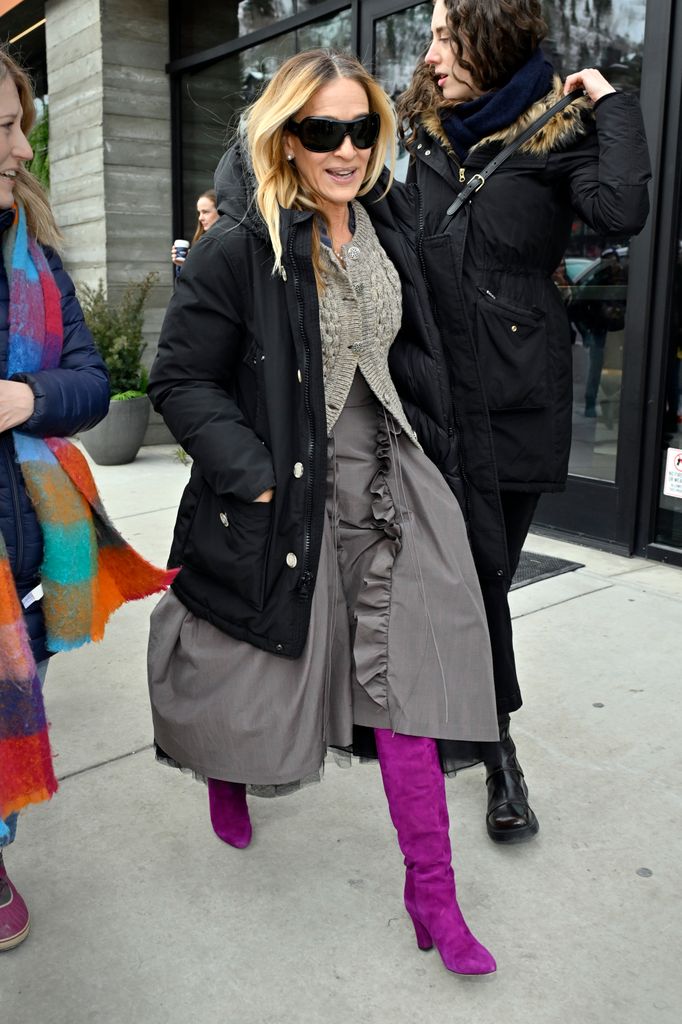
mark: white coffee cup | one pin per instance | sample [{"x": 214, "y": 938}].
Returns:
[{"x": 181, "y": 248}]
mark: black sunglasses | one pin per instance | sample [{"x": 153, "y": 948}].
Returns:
[{"x": 324, "y": 134}]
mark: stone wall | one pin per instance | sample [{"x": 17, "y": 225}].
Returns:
[
  {"x": 74, "y": 67},
  {"x": 110, "y": 146}
]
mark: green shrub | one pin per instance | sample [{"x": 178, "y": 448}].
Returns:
[
  {"x": 117, "y": 330},
  {"x": 39, "y": 139}
]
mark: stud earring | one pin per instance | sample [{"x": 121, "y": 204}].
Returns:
[{"x": 290, "y": 157}]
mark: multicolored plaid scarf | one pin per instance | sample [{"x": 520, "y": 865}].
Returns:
[{"x": 88, "y": 570}]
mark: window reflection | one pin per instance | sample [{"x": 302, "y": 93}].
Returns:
[
  {"x": 593, "y": 276},
  {"x": 217, "y": 21},
  {"x": 608, "y": 34},
  {"x": 398, "y": 40},
  {"x": 255, "y": 14}
]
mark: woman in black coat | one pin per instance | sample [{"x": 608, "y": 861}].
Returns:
[
  {"x": 326, "y": 596},
  {"x": 51, "y": 402},
  {"x": 483, "y": 81}
]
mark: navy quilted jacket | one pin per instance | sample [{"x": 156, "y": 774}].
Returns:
[{"x": 70, "y": 398}]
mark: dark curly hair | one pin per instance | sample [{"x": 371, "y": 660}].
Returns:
[
  {"x": 491, "y": 39},
  {"x": 499, "y": 37}
]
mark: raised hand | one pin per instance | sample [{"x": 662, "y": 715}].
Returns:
[{"x": 591, "y": 80}]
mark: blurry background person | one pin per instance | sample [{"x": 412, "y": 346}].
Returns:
[
  {"x": 63, "y": 567},
  {"x": 483, "y": 80},
  {"x": 207, "y": 214}
]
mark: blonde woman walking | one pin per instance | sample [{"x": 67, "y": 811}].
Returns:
[{"x": 326, "y": 595}]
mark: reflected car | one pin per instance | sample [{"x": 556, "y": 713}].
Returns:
[
  {"x": 574, "y": 266},
  {"x": 599, "y": 293}
]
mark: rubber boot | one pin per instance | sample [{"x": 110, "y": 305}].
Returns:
[{"x": 415, "y": 789}]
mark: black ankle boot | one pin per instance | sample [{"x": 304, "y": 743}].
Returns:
[{"x": 510, "y": 818}]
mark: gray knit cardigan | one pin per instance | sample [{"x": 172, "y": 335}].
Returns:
[{"x": 360, "y": 315}]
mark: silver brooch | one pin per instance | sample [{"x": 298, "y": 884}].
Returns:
[{"x": 352, "y": 252}]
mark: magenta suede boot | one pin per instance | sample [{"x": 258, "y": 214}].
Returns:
[
  {"x": 229, "y": 813},
  {"x": 14, "y": 916},
  {"x": 415, "y": 789}
]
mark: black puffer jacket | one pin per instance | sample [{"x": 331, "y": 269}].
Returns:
[
  {"x": 238, "y": 379},
  {"x": 70, "y": 398},
  {"x": 503, "y": 248}
]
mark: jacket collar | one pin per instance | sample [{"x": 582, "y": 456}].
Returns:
[{"x": 561, "y": 131}]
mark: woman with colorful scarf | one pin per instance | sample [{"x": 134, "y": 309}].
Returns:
[
  {"x": 482, "y": 82},
  {"x": 63, "y": 567}
]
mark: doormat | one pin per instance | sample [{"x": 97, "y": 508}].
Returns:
[{"x": 534, "y": 567}]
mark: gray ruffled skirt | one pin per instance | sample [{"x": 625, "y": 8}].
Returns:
[{"x": 397, "y": 637}]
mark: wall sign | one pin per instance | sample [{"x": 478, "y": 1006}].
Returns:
[{"x": 672, "y": 483}]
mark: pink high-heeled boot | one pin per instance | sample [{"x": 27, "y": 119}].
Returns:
[
  {"x": 229, "y": 812},
  {"x": 415, "y": 789}
]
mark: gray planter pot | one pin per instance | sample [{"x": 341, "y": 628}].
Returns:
[{"x": 117, "y": 439}]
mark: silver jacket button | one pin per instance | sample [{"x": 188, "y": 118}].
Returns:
[
  {"x": 427, "y": 152},
  {"x": 298, "y": 470},
  {"x": 224, "y": 520},
  {"x": 292, "y": 560}
]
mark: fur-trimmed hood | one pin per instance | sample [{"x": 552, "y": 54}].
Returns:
[{"x": 560, "y": 132}]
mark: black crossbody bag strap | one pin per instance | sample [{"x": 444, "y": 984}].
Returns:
[{"x": 477, "y": 181}]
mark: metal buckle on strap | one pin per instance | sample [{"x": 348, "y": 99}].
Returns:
[{"x": 481, "y": 179}]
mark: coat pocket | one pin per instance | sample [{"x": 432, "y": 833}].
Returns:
[
  {"x": 512, "y": 353},
  {"x": 229, "y": 540}
]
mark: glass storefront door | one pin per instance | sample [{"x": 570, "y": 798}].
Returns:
[
  {"x": 668, "y": 529},
  {"x": 593, "y": 279},
  {"x": 608, "y": 34}
]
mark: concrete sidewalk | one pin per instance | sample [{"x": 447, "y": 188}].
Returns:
[{"x": 140, "y": 914}]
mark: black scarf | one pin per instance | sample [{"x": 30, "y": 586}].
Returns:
[{"x": 470, "y": 122}]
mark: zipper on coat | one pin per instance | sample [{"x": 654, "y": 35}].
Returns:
[
  {"x": 306, "y": 576},
  {"x": 420, "y": 243},
  {"x": 16, "y": 504}
]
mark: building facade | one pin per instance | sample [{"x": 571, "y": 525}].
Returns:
[{"x": 143, "y": 100}]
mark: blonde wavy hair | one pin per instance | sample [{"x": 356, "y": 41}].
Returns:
[
  {"x": 27, "y": 189},
  {"x": 264, "y": 124}
]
